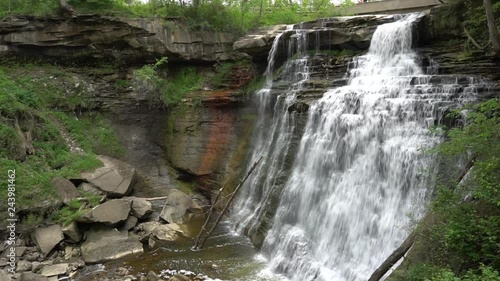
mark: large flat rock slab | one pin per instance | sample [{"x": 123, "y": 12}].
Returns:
[
  {"x": 116, "y": 178},
  {"x": 46, "y": 238},
  {"x": 111, "y": 212},
  {"x": 55, "y": 269},
  {"x": 109, "y": 244}
]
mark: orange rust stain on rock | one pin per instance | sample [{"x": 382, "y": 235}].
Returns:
[{"x": 220, "y": 134}]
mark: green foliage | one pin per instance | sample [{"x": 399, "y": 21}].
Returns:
[
  {"x": 25, "y": 104},
  {"x": 475, "y": 18},
  {"x": 32, "y": 7},
  {"x": 486, "y": 273},
  {"x": 123, "y": 84},
  {"x": 166, "y": 91},
  {"x": 92, "y": 133},
  {"x": 255, "y": 84},
  {"x": 229, "y": 16},
  {"x": 69, "y": 213},
  {"x": 184, "y": 81},
  {"x": 32, "y": 221},
  {"x": 222, "y": 73},
  {"x": 480, "y": 138},
  {"x": 72, "y": 211},
  {"x": 9, "y": 141},
  {"x": 460, "y": 233}
]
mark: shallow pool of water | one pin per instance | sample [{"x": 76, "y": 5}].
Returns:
[{"x": 226, "y": 256}]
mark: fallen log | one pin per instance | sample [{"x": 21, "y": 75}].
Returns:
[
  {"x": 393, "y": 258},
  {"x": 226, "y": 206}
]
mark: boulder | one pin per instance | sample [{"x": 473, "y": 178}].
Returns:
[
  {"x": 71, "y": 252},
  {"x": 23, "y": 266},
  {"x": 151, "y": 276},
  {"x": 72, "y": 232},
  {"x": 109, "y": 244},
  {"x": 130, "y": 223},
  {"x": 179, "y": 208},
  {"x": 19, "y": 251},
  {"x": 141, "y": 208},
  {"x": 4, "y": 276},
  {"x": 29, "y": 276},
  {"x": 110, "y": 213},
  {"x": 89, "y": 188},
  {"x": 36, "y": 266},
  {"x": 260, "y": 41},
  {"x": 55, "y": 269},
  {"x": 65, "y": 190},
  {"x": 148, "y": 227},
  {"x": 116, "y": 178},
  {"x": 167, "y": 232},
  {"x": 46, "y": 238},
  {"x": 164, "y": 232}
]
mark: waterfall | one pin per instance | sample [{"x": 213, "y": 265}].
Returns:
[
  {"x": 274, "y": 133},
  {"x": 360, "y": 171}
]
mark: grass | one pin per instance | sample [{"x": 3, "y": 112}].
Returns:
[
  {"x": 29, "y": 104},
  {"x": 164, "y": 88},
  {"x": 92, "y": 133},
  {"x": 72, "y": 211}
]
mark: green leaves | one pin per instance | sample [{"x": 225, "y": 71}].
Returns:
[{"x": 479, "y": 137}]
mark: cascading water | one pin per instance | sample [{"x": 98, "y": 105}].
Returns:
[
  {"x": 359, "y": 171},
  {"x": 274, "y": 133}
]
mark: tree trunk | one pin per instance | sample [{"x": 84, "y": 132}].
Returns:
[
  {"x": 492, "y": 28},
  {"x": 226, "y": 206},
  {"x": 393, "y": 258}
]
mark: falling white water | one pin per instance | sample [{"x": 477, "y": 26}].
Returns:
[
  {"x": 357, "y": 173},
  {"x": 274, "y": 133},
  {"x": 360, "y": 171}
]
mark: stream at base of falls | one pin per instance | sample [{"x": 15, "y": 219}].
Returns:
[{"x": 226, "y": 256}]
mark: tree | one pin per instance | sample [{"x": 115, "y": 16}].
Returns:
[{"x": 492, "y": 28}]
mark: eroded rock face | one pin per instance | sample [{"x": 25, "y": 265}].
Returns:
[
  {"x": 208, "y": 143},
  {"x": 352, "y": 33},
  {"x": 87, "y": 38},
  {"x": 109, "y": 244}
]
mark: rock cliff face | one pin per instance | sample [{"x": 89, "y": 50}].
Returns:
[
  {"x": 352, "y": 33},
  {"x": 207, "y": 143},
  {"x": 92, "y": 37}
]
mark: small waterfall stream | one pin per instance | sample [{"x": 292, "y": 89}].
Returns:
[
  {"x": 275, "y": 131},
  {"x": 360, "y": 171}
]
